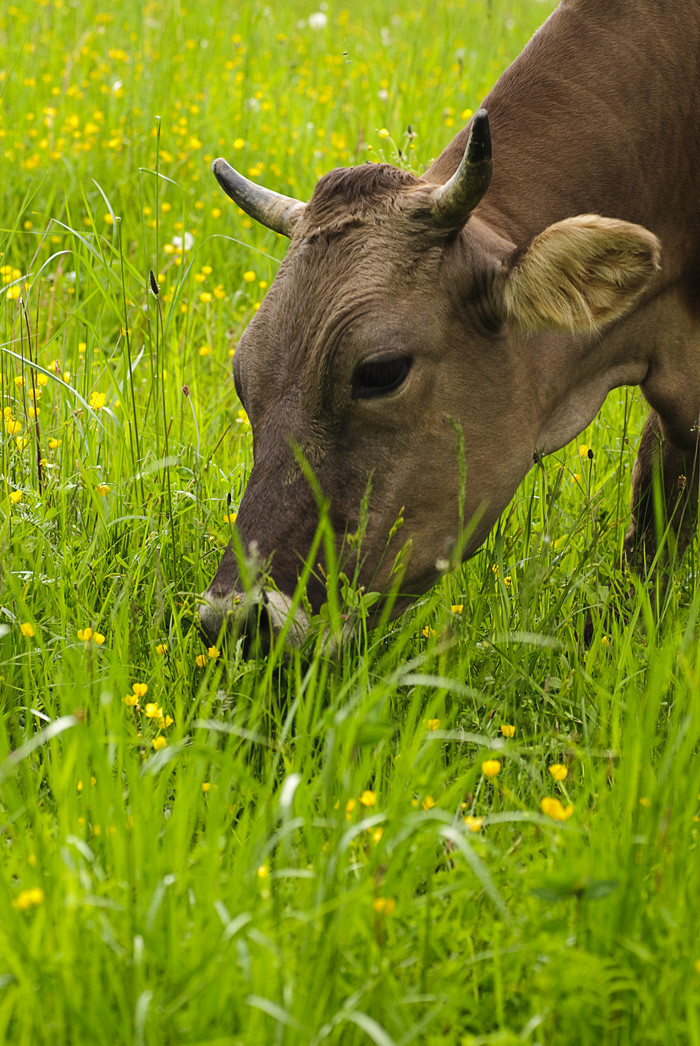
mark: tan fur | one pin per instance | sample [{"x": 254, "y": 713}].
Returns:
[{"x": 580, "y": 274}]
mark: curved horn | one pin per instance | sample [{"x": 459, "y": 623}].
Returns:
[
  {"x": 280, "y": 213},
  {"x": 454, "y": 201}
]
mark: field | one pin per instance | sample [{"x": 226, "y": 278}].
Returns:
[{"x": 469, "y": 827}]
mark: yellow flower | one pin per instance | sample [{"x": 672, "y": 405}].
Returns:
[
  {"x": 206, "y": 785},
  {"x": 131, "y": 700},
  {"x": 383, "y": 905},
  {"x": 491, "y": 767},
  {"x": 31, "y": 898},
  {"x": 159, "y": 743},
  {"x": 54, "y": 443},
  {"x": 553, "y": 808},
  {"x": 102, "y": 489},
  {"x": 605, "y": 641},
  {"x": 263, "y": 871},
  {"x": 558, "y": 771},
  {"x": 644, "y": 801},
  {"x": 350, "y": 806},
  {"x": 383, "y": 133},
  {"x": 153, "y": 711},
  {"x": 85, "y": 634},
  {"x": 231, "y": 518},
  {"x": 428, "y": 632},
  {"x": 507, "y": 729},
  {"x": 12, "y": 426},
  {"x": 457, "y": 608},
  {"x": 428, "y": 803},
  {"x": 19, "y": 381},
  {"x": 432, "y": 724},
  {"x": 249, "y": 276},
  {"x": 473, "y": 823},
  {"x": 27, "y": 630},
  {"x": 161, "y": 649},
  {"x": 204, "y": 350},
  {"x": 213, "y": 653},
  {"x": 97, "y": 400},
  {"x": 200, "y": 660},
  {"x": 140, "y": 689},
  {"x": 238, "y": 143},
  {"x": 16, "y": 496},
  {"x": 583, "y": 449},
  {"x": 377, "y": 834},
  {"x": 368, "y": 798}
]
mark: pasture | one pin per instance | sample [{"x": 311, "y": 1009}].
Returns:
[{"x": 468, "y": 826}]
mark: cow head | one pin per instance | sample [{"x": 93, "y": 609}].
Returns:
[{"x": 393, "y": 353}]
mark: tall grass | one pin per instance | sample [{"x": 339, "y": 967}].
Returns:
[{"x": 306, "y": 848}]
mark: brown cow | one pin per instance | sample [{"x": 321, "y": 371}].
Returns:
[{"x": 408, "y": 309}]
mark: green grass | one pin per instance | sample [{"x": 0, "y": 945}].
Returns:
[{"x": 231, "y": 887}]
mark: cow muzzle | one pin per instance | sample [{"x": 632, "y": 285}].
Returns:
[{"x": 257, "y": 618}]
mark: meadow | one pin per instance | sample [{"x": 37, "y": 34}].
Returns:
[{"x": 469, "y": 826}]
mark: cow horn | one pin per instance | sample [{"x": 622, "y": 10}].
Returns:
[
  {"x": 454, "y": 201},
  {"x": 277, "y": 212}
]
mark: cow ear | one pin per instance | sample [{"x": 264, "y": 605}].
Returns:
[{"x": 579, "y": 274}]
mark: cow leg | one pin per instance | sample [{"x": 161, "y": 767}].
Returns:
[{"x": 675, "y": 475}]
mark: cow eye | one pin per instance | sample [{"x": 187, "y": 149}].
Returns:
[{"x": 379, "y": 377}]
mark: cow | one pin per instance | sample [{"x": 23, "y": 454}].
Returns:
[{"x": 489, "y": 305}]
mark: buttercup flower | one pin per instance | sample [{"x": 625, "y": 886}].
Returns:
[
  {"x": 368, "y": 798},
  {"x": 384, "y": 905},
  {"x": 558, "y": 771},
  {"x": 473, "y": 823},
  {"x": 31, "y": 898},
  {"x": 554, "y": 809},
  {"x": 27, "y": 629},
  {"x": 491, "y": 767},
  {"x": 507, "y": 729}
]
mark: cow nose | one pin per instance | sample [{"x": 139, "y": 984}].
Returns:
[
  {"x": 240, "y": 617},
  {"x": 256, "y": 618}
]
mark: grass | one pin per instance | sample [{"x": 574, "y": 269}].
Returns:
[{"x": 276, "y": 851}]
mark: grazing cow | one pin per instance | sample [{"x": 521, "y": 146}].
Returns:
[{"x": 411, "y": 314}]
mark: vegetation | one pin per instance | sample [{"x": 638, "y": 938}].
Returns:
[{"x": 468, "y": 827}]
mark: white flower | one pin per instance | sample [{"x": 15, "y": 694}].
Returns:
[
  {"x": 183, "y": 243},
  {"x": 318, "y": 20}
]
